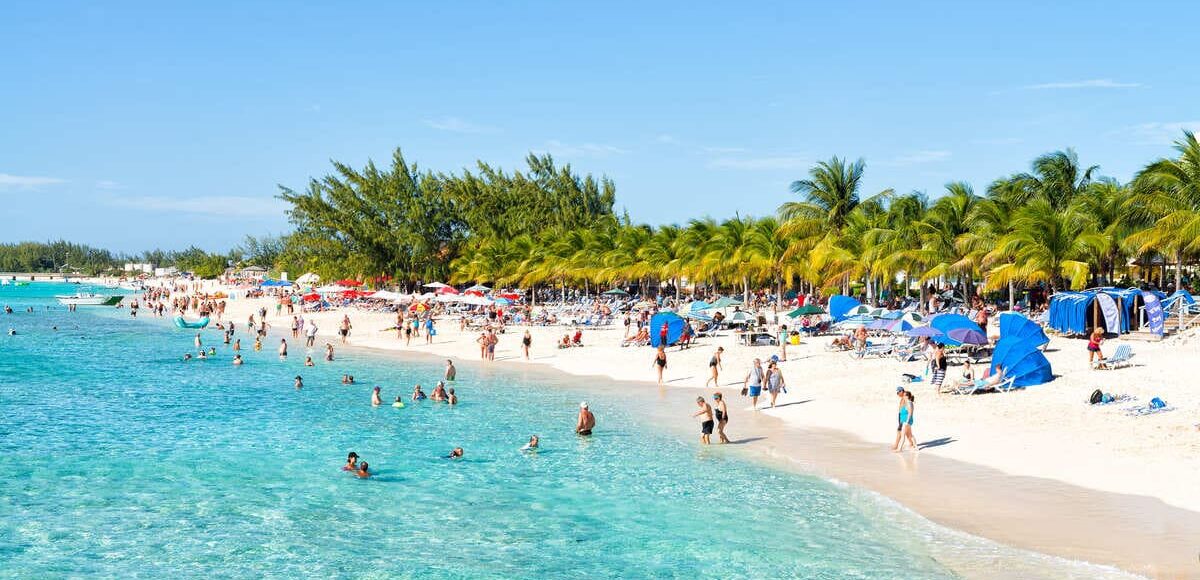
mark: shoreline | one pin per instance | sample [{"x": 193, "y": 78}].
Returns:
[{"x": 1138, "y": 533}]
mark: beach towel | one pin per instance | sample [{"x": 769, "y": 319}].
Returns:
[{"x": 1156, "y": 405}]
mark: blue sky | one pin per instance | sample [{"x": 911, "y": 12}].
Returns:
[{"x": 140, "y": 125}]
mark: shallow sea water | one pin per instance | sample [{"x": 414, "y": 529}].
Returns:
[{"x": 119, "y": 459}]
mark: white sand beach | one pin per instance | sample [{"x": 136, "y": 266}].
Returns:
[{"x": 1047, "y": 432}]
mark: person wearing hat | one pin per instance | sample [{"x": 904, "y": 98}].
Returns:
[
  {"x": 586, "y": 421},
  {"x": 905, "y": 418}
]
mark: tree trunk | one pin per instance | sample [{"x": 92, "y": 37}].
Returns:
[
  {"x": 745, "y": 290},
  {"x": 1012, "y": 295},
  {"x": 1178, "y": 271}
]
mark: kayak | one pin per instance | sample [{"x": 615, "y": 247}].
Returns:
[{"x": 183, "y": 323}]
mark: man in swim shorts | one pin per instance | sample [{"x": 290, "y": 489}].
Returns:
[
  {"x": 586, "y": 421},
  {"x": 753, "y": 382},
  {"x": 706, "y": 419}
]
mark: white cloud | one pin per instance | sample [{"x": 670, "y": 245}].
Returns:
[
  {"x": 668, "y": 139},
  {"x": 771, "y": 162},
  {"x": 457, "y": 125},
  {"x": 9, "y": 181},
  {"x": 555, "y": 147},
  {"x": 1159, "y": 133},
  {"x": 108, "y": 185},
  {"x": 918, "y": 157},
  {"x": 1086, "y": 84},
  {"x": 216, "y": 205}
]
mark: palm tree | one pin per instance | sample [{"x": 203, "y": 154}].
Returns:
[
  {"x": 1168, "y": 192},
  {"x": 769, "y": 254},
  {"x": 946, "y": 222},
  {"x": 1048, "y": 246},
  {"x": 1105, "y": 201}
]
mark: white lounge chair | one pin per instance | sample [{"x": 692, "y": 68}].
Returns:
[{"x": 1120, "y": 358}]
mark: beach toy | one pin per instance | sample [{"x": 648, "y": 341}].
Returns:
[
  {"x": 181, "y": 322},
  {"x": 398, "y": 405}
]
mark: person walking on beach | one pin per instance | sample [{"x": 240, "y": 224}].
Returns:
[
  {"x": 1093, "y": 345},
  {"x": 430, "y": 331},
  {"x": 344, "y": 330},
  {"x": 586, "y": 421},
  {"x": 482, "y": 341},
  {"x": 783, "y": 342},
  {"x": 721, "y": 411},
  {"x": 706, "y": 419},
  {"x": 660, "y": 362},
  {"x": 912, "y": 413},
  {"x": 752, "y": 384},
  {"x": 311, "y": 333},
  {"x": 775, "y": 382},
  {"x": 714, "y": 365},
  {"x": 904, "y": 418},
  {"x": 937, "y": 366},
  {"x": 525, "y": 342}
]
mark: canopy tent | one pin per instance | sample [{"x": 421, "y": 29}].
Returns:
[
  {"x": 308, "y": 279},
  {"x": 1017, "y": 351},
  {"x": 840, "y": 306},
  {"x": 1113, "y": 309},
  {"x": 674, "y": 324},
  {"x": 947, "y": 322}
]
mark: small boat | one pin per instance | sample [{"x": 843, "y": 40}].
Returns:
[
  {"x": 88, "y": 299},
  {"x": 182, "y": 322}
]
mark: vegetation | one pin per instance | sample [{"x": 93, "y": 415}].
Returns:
[{"x": 1060, "y": 225}]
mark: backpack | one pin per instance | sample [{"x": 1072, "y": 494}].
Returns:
[{"x": 1097, "y": 396}]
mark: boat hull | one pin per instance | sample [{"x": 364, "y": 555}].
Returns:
[{"x": 98, "y": 300}]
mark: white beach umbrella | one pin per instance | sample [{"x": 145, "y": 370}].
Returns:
[
  {"x": 436, "y": 285},
  {"x": 478, "y": 288}
]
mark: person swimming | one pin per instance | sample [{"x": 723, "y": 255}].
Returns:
[
  {"x": 532, "y": 445},
  {"x": 202, "y": 356},
  {"x": 237, "y": 359},
  {"x": 12, "y": 332},
  {"x": 187, "y": 356},
  {"x": 299, "y": 382},
  {"x": 452, "y": 398},
  {"x": 212, "y": 351},
  {"x": 456, "y": 453},
  {"x": 308, "y": 362},
  {"x": 351, "y": 462},
  {"x": 418, "y": 394},
  {"x": 439, "y": 392},
  {"x": 399, "y": 402},
  {"x": 363, "y": 472}
]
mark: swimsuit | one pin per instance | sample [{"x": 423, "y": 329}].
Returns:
[
  {"x": 712, "y": 362},
  {"x": 904, "y": 418},
  {"x": 720, "y": 415},
  {"x": 661, "y": 361},
  {"x": 706, "y": 427}
]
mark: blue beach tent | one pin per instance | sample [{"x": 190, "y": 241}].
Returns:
[
  {"x": 674, "y": 328},
  {"x": 840, "y": 306},
  {"x": 1113, "y": 309},
  {"x": 947, "y": 322},
  {"x": 1017, "y": 351}
]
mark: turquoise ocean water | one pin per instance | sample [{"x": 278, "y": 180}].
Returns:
[{"x": 119, "y": 459}]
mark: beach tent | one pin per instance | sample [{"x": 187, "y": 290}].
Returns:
[
  {"x": 674, "y": 324},
  {"x": 840, "y": 306},
  {"x": 948, "y": 322},
  {"x": 1112, "y": 309},
  {"x": 1017, "y": 351}
]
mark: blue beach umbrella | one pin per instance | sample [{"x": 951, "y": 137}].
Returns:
[
  {"x": 1022, "y": 360},
  {"x": 840, "y": 306},
  {"x": 926, "y": 331},
  {"x": 879, "y": 324},
  {"x": 968, "y": 336},
  {"x": 674, "y": 328},
  {"x": 900, "y": 326},
  {"x": 948, "y": 322},
  {"x": 1018, "y": 326}
]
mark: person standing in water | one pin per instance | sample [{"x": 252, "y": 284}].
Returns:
[
  {"x": 586, "y": 421},
  {"x": 376, "y": 400},
  {"x": 299, "y": 382},
  {"x": 721, "y": 412},
  {"x": 329, "y": 352},
  {"x": 660, "y": 362},
  {"x": 282, "y": 349},
  {"x": 706, "y": 420},
  {"x": 451, "y": 372},
  {"x": 351, "y": 462},
  {"x": 311, "y": 334},
  {"x": 714, "y": 364},
  {"x": 526, "y": 341},
  {"x": 199, "y": 343}
]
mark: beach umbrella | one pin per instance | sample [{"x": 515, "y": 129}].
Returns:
[
  {"x": 893, "y": 315},
  {"x": 674, "y": 324},
  {"x": 698, "y": 316},
  {"x": 840, "y": 306},
  {"x": 435, "y": 285},
  {"x": 900, "y": 326},
  {"x": 1014, "y": 325},
  {"x": 926, "y": 331},
  {"x": 947, "y": 322},
  {"x": 739, "y": 318},
  {"x": 1021, "y": 360},
  {"x": 511, "y": 296},
  {"x": 446, "y": 290},
  {"x": 387, "y": 295},
  {"x": 308, "y": 279},
  {"x": 311, "y": 297},
  {"x": 806, "y": 309},
  {"x": 616, "y": 292},
  {"x": 724, "y": 302},
  {"x": 855, "y": 321},
  {"x": 503, "y": 302},
  {"x": 879, "y": 324},
  {"x": 478, "y": 288},
  {"x": 699, "y": 305},
  {"x": 968, "y": 336},
  {"x": 348, "y": 282}
]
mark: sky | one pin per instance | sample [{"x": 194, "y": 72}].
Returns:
[{"x": 141, "y": 125}]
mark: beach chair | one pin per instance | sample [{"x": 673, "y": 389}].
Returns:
[
  {"x": 875, "y": 350},
  {"x": 1120, "y": 358}
]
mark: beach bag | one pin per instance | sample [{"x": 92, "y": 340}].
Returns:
[
  {"x": 1096, "y": 397},
  {"x": 432, "y": 332}
]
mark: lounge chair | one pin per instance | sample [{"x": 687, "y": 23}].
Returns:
[
  {"x": 1120, "y": 358},
  {"x": 985, "y": 385},
  {"x": 875, "y": 350}
]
